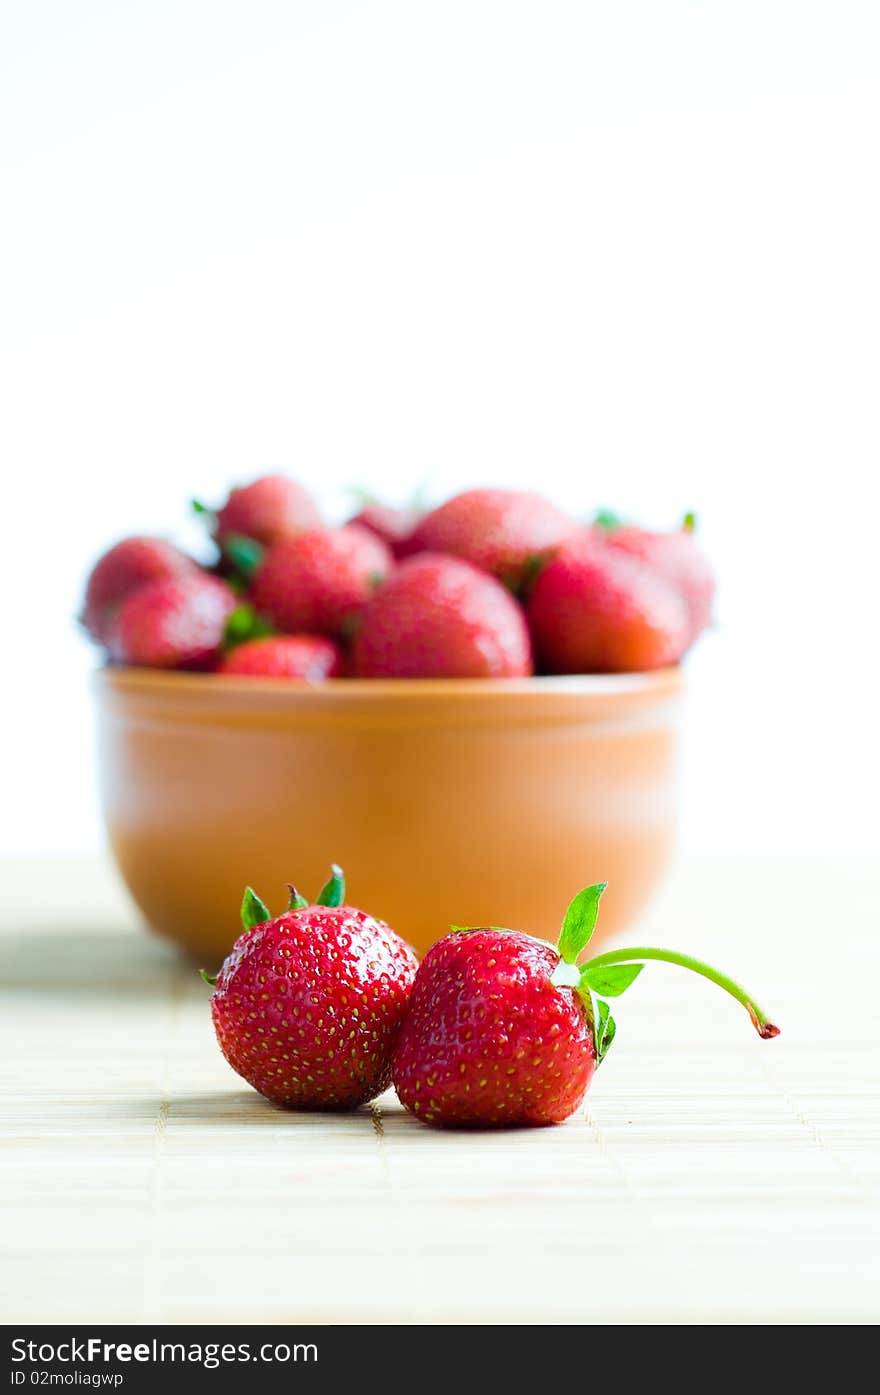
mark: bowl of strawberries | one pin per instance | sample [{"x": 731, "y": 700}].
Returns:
[{"x": 471, "y": 707}]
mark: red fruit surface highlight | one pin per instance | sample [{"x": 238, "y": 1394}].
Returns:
[
  {"x": 272, "y": 507},
  {"x": 285, "y": 656},
  {"x": 595, "y": 610},
  {"x": 488, "y": 1039},
  {"x": 128, "y": 565},
  {"x": 680, "y": 560},
  {"x": 502, "y": 531},
  {"x": 318, "y": 582},
  {"x": 438, "y": 617},
  {"x": 178, "y": 622},
  {"x": 308, "y": 1006}
]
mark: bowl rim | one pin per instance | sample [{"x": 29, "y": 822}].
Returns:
[{"x": 329, "y": 691}]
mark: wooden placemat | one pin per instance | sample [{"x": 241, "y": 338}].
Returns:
[{"x": 712, "y": 1177}]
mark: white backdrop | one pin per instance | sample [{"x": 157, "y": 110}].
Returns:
[{"x": 627, "y": 252}]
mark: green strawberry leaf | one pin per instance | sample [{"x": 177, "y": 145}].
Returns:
[
  {"x": 245, "y": 554},
  {"x": 210, "y": 979},
  {"x": 689, "y": 523},
  {"x": 607, "y": 519},
  {"x": 605, "y": 1030},
  {"x": 580, "y": 922},
  {"x": 296, "y": 902},
  {"x": 253, "y": 911},
  {"x": 613, "y": 980},
  {"x": 333, "y": 893},
  {"x": 200, "y": 509},
  {"x": 243, "y": 624}
]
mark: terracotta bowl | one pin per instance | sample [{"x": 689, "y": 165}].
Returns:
[{"x": 467, "y": 802}]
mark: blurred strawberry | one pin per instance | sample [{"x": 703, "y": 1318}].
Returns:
[
  {"x": 125, "y": 567},
  {"x": 272, "y": 507},
  {"x": 593, "y": 609},
  {"x": 285, "y": 656},
  {"x": 177, "y": 622},
  {"x": 319, "y": 581},
  {"x": 438, "y": 617},
  {"x": 677, "y": 557},
  {"x": 502, "y": 531},
  {"x": 393, "y": 525}
]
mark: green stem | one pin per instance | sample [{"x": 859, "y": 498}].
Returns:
[{"x": 761, "y": 1022}]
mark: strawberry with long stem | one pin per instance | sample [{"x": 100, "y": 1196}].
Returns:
[{"x": 507, "y": 1029}]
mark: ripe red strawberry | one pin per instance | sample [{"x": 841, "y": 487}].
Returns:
[
  {"x": 393, "y": 525},
  {"x": 126, "y": 566},
  {"x": 503, "y": 1029},
  {"x": 272, "y": 507},
  {"x": 178, "y": 622},
  {"x": 437, "y": 617},
  {"x": 489, "y": 1039},
  {"x": 677, "y": 557},
  {"x": 308, "y": 1005},
  {"x": 595, "y": 610},
  {"x": 285, "y": 656},
  {"x": 318, "y": 582},
  {"x": 502, "y": 531}
]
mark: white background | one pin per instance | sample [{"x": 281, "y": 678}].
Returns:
[{"x": 625, "y": 252}]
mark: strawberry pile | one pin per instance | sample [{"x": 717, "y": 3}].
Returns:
[
  {"x": 493, "y": 583},
  {"x": 324, "y": 1007}
]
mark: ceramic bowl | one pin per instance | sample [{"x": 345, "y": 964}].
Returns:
[{"x": 466, "y": 802}]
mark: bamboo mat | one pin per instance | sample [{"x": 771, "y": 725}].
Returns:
[{"x": 713, "y": 1177}]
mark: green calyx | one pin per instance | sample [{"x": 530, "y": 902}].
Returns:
[
  {"x": 253, "y": 910},
  {"x": 256, "y": 912},
  {"x": 296, "y": 902},
  {"x": 607, "y": 519},
  {"x": 243, "y": 554},
  {"x": 333, "y": 891},
  {"x": 610, "y": 974},
  {"x": 243, "y": 624}
]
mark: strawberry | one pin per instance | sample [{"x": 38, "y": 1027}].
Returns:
[
  {"x": 285, "y": 656},
  {"x": 272, "y": 507},
  {"x": 126, "y": 566},
  {"x": 393, "y": 525},
  {"x": 178, "y": 622},
  {"x": 504, "y": 1029},
  {"x": 678, "y": 557},
  {"x": 437, "y": 617},
  {"x": 319, "y": 581},
  {"x": 593, "y": 609},
  {"x": 308, "y": 1005},
  {"x": 502, "y": 531}
]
